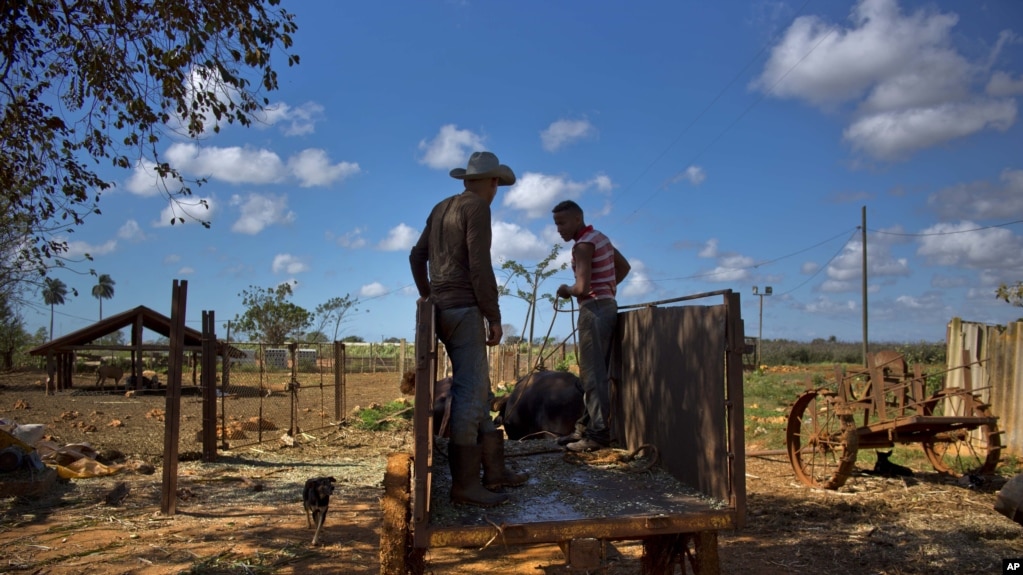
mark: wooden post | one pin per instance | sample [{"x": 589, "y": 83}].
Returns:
[
  {"x": 209, "y": 387},
  {"x": 172, "y": 415},
  {"x": 340, "y": 407}
]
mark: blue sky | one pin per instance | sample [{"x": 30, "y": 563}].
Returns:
[{"x": 719, "y": 145}]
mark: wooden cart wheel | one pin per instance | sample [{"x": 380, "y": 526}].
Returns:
[
  {"x": 969, "y": 450},
  {"x": 821, "y": 439},
  {"x": 397, "y": 555}
]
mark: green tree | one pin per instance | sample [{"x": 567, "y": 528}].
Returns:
[
  {"x": 1011, "y": 294},
  {"x": 270, "y": 317},
  {"x": 316, "y": 337},
  {"x": 332, "y": 313},
  {"x": 104, "y": 289},
  {"x": 533, "y": 279},
  {"x": 84, "y": 84},
  {"x": 115, "y": 338},
  {"x": 13, "y": 336},
  {"x": 353, "y": 339},
  {"x": 54, "y": 292}
]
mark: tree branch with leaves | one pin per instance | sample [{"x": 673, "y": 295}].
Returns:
[
  {"x": 1011, "y": 294},
  {"x": 269, "y": 316},
  {"x": 105, "y": 82},
  {"x": 332, "y": 313},
  {"x": 533, "y": 279}
]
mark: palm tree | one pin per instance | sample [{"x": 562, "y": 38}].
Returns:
[
  {"x": 54, "y": 292},
  {"x": 104, "y": 289}
]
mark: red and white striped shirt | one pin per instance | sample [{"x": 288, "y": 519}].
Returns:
[{"x": 602, "y": 270}]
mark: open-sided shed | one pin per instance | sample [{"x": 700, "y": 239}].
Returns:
[{"x": 60, "y": 352}]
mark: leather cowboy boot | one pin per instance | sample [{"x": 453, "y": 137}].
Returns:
[
  {"x": 464, "y": 461},
  {"x": 495, "y": 474}
]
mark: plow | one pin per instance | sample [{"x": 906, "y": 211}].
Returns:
[{"x": 883, "y": 405}]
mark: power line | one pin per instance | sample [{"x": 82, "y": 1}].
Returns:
[
  {"x": 945, "y": 233},
  {"x": 764, "y": 262},
  {"x": 711, "y": 104},
  {"x": 826, "y": 264}
]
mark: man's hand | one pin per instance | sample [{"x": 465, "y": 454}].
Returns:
[
  {"x": 564, "y": 291},
  {"x": 496, "y": 333}
]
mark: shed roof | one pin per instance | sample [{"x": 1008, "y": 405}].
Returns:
[{"x": 149, "y": 319}]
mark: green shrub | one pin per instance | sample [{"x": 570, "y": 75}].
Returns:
[
  {"x": 788, "y": 352},
  {"x": 391, "y": 416}
]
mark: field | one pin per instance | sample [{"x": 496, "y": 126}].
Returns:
[{"x": 243, "y": 514}]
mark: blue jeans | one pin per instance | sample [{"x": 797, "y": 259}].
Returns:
[
  {"x": 463, "y": 333},
  {"x": 597, "y": 322}
]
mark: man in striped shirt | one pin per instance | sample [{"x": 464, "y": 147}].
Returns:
[{"x": 598, "y": 269}]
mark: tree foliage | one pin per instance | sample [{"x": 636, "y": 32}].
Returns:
[
  {"x": 269, "y": 316},
  {"x": 54, "y": 294},
  {"x": 104, "y": 289},
  {"x": 533, "y": 279},
  {"x": 1011, "y": 294},
  {"x": 83, "y": 84},
  {"x": 13, "y": 336},
  {"x": 332, "y": 313}
]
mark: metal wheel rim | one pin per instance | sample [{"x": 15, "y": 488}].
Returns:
[
  {"x": 966, "y": 452},
  {"x": 822, "y": 450}
]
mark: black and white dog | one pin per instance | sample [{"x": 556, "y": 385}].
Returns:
[{"x": 315, "y": 499}]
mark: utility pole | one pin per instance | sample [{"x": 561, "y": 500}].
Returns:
[
  {"x": 760, "y": 328},
  {"x": 863, "y": 228}
]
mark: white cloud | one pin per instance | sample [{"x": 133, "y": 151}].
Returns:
[
  {"x": 193, "y": 209},
  {"x": 964, "y": 245},
  {"x": 896, "y": 134},
  {"x": 234, "y": 164},
  {"x": 845, "y": 272},
  {"x": 537, "y": 193},
  {"x": 243, "y": 165},
  {"x": 450, "y": 148},
  {"x": 826, "y": 306},
  {"x": 730, "y": 268},
  {"x": 78, "y": 249},
  {"x": 825, "y": 63},
  {"x": 204, "y": 79},
  {"x": 695, "y": 175},
  {"x": 637, "y": 283},
  {"x": 941, "y": 281},
  {"x": 294, "y": 121},
  {"x": 171, "y": 259},
  {"x": 1003, "y": 84},
  {"x": 144, "y": 181},
  {"x": 288, "y": 264},
  {"x": 131, "y": 231},
  {"x": 259, "y": 211},
  {"x": 709, "y": 250},
  {"x": 513, "y": 242},
  {"x": 981, "y": 199},
  {"x": 186, "y": 271},
  {"x": 352, "y": 240},
  {"x": 912, "y": 87},
  {"x": 603, "y": 183},
  {"x": 401, "y": 237},
  {"x": 312, "y": 167},
  {"x": 564, "y": 132},
  {"x": 375, "y": 289}
]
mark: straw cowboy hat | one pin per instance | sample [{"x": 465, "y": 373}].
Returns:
[{"x": 484, "y": 165}]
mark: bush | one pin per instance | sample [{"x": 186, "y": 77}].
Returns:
[
  {"x": 393, "y": 415},
  {"x": 831, "y": 351}
]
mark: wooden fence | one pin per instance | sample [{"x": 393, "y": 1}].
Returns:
[{"x": 995, "y": 356}]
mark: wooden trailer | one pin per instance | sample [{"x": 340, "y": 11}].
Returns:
[{"x": 677, "y": 392}]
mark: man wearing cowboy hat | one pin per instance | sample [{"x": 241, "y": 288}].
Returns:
[{"x": 451, "y": 266}]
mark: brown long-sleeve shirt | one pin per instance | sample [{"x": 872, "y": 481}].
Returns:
[{"x": 451, "y": 261}]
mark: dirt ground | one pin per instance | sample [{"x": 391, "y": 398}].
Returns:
[{"x": 242, "y": 514}]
